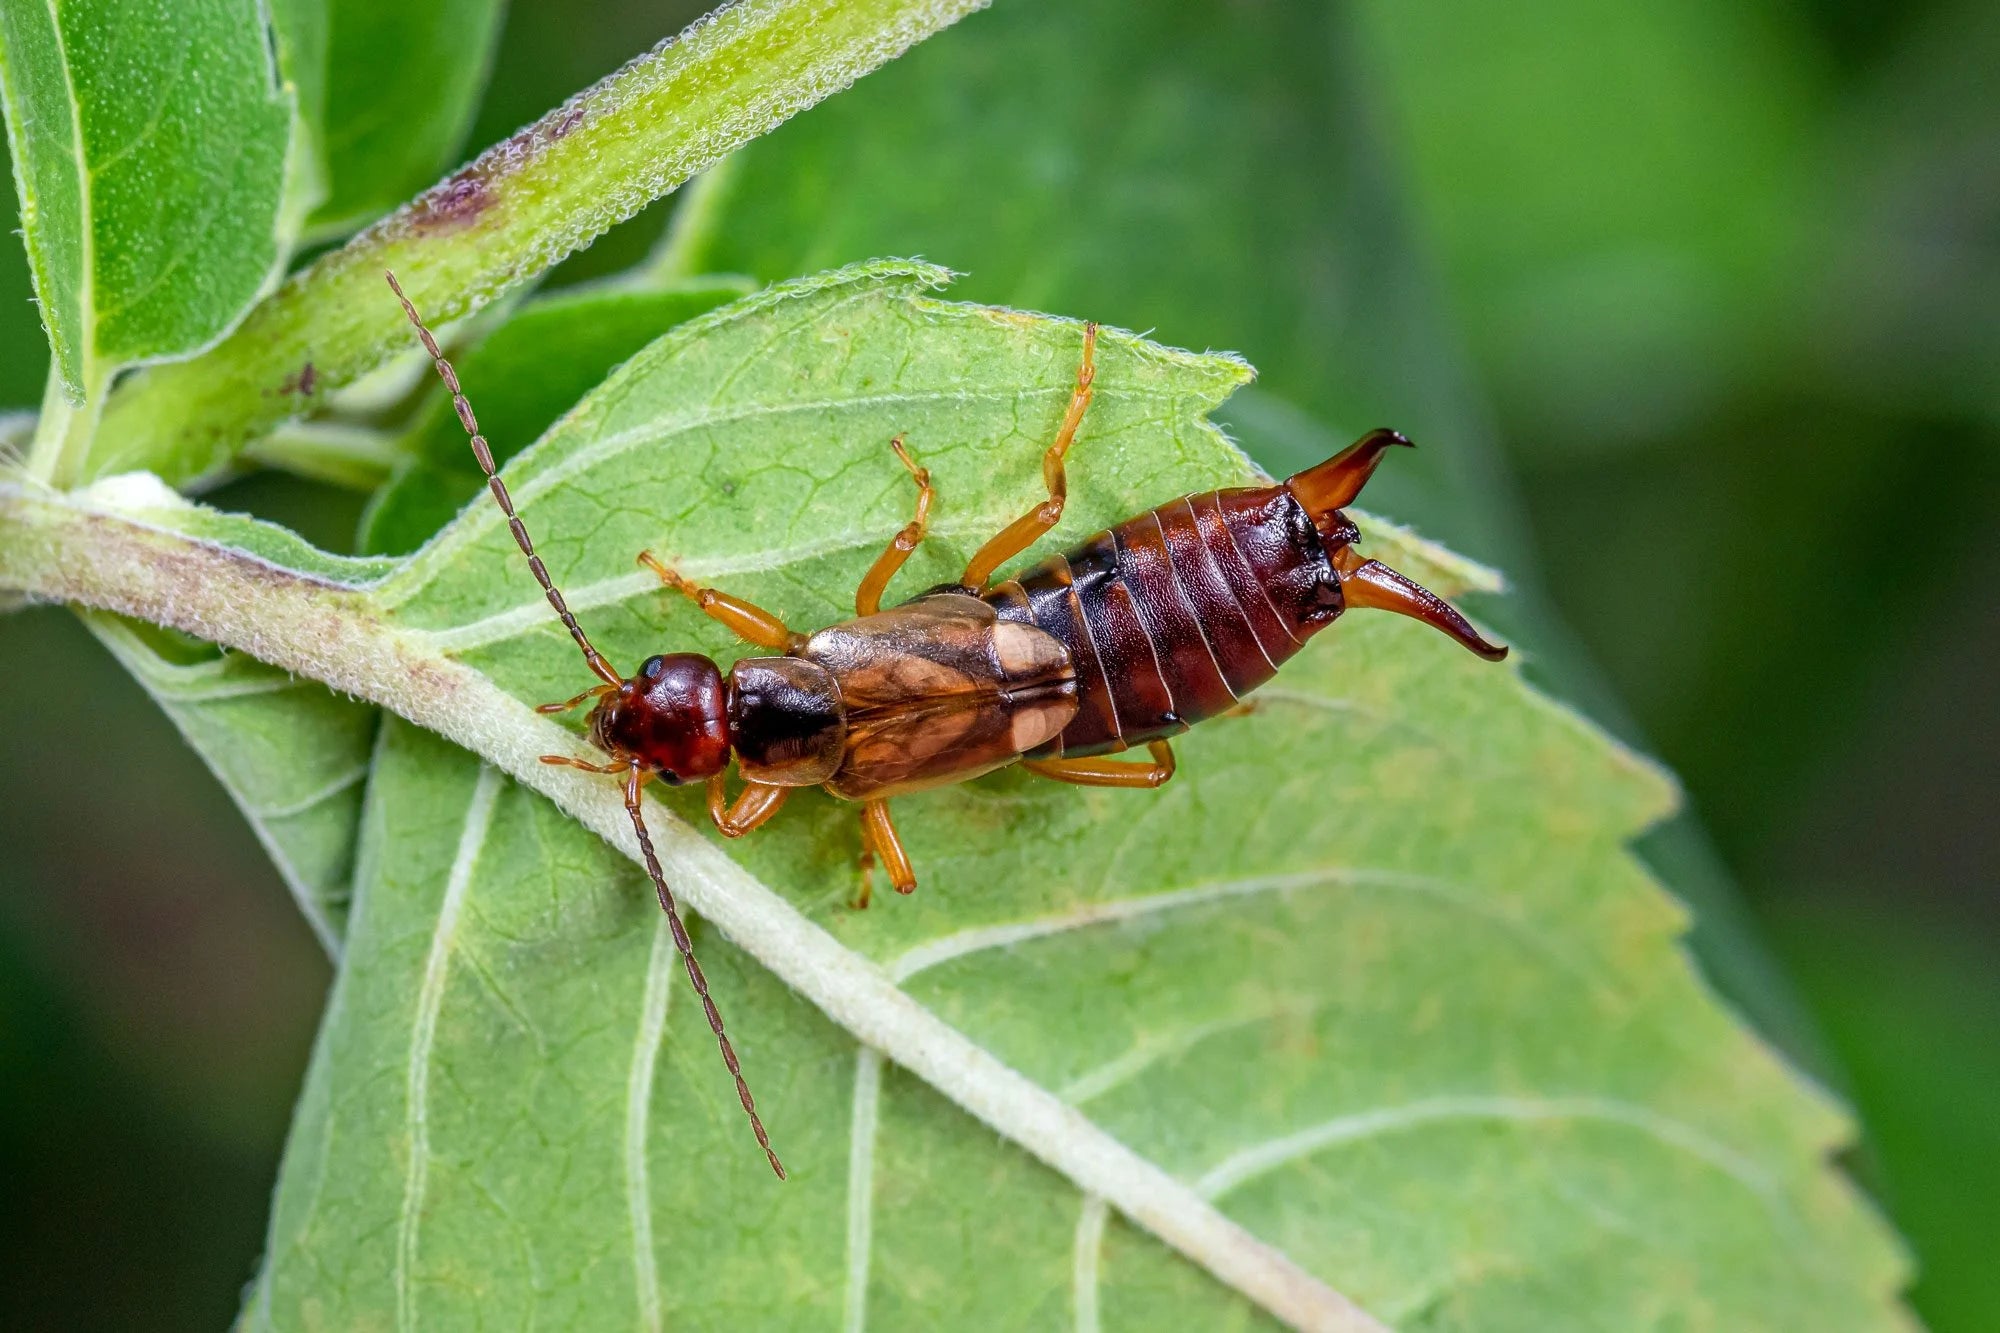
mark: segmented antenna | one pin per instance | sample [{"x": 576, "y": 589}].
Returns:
[
  {"x": 484, "y": 454},
  {"x": 686, "y": 946}
]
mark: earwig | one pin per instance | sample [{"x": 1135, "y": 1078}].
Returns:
[{"x": 1126, "y": 640}]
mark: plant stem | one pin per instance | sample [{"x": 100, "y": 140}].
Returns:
[
  {"x": 524, "y": 204},
  {"x": 64, "y": 429}
]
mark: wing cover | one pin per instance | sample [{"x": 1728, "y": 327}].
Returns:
[{"x": 940, "y": 690}]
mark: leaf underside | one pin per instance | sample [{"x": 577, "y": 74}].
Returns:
[
  {"x": 1374, "y": 973},
  {"x": 544, "y": 358}
]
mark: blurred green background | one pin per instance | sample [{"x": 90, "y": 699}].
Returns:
[{"x": 1719, "y": 278}]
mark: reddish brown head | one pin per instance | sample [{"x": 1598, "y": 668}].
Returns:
[
  {"x": 1322, "y": 490},
  {"x": 672, "y": 716}
]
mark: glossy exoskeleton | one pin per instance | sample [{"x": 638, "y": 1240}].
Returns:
[{"x": 1127, "y": 639}]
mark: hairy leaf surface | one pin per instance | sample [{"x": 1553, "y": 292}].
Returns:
[{"x": 1374, "y": 974}]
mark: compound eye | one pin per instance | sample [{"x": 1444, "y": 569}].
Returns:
[{"x": 653, "y": 667}]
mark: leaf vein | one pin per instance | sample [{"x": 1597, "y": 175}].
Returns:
[
  {"x": 352, "y": 777},
  {"x": 1086, "y": 1252},
  {"x": 430, "y": 1003},
  {"x": 946, "y": 948},
  {"x": 638, "y": 1112},
  {"x": 862, "y": 1125},
  {"x": 1248, "y": 1164}
]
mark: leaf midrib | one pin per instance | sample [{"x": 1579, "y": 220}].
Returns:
[
  {"x": 423, "y": 1033},
  {"x": 86, "y": 351}
]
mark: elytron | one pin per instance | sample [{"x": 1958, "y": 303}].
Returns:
[{"x": 1124, "y": 641}]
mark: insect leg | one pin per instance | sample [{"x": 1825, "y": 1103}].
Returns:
[
  {"x": 868, "y": 597},
  {"x": 753, "y": 624},
  {"x": 1108, "y": 772},
  {"x": 757, "y": 802},
  {"x": 866, "y": 864},
  {"x": 594, "y": 692},
  {"x": 1026, "y": 530},
  {"x": 564, "y": 761},
  {"x": 879, "y": 834}
]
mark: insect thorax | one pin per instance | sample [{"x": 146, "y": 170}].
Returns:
[{"x": 786, "y": 720}]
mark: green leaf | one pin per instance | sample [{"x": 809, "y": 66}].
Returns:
[
  {"x": 292, "y": 754},
  {"x": 494, "y": 225},
  {"x": 149, "y": 147},
  {"x": 299, "y": 36},
  {"x": 1374, "y": 976},
  {"x": 403, "y": 81},
  {"x": 544, "y": 358}
]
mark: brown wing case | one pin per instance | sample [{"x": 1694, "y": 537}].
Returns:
[{"x": 940, "y": 690}]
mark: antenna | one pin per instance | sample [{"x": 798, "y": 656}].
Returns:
[
  {"x": 686, "y": 946},
  {"x": 634, "y": 777},
  {"x": 484, "y": 454}
]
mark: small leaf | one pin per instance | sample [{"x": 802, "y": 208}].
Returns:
[
  {"x": 149, "y": 146},
  {"x": 403, "y": 81}
]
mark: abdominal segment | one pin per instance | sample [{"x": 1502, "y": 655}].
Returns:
[{"x": 1174, "y": 616}]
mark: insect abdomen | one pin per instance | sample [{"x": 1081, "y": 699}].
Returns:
[{"x": 1175, "y": 615}]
